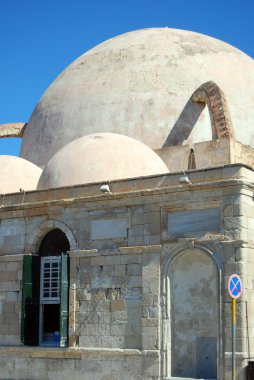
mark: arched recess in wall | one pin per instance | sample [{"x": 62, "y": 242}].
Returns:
[
  {"x": 36, "y": 237},
  {"x": 191, "y": 314},
  {"x": 45, "y": 295}
]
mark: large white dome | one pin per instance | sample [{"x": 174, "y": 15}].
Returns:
[
  {"x": 139, "y": 84},
  {"x": 100, "y": 157}
]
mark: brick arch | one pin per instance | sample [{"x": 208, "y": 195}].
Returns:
[
  {"x": 40, "y": 231},
  {"x": 211, "y": 94}
]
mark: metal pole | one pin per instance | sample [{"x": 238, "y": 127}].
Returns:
[{"x": 233, "y": 337}]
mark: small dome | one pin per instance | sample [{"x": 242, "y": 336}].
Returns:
[
  {"x": 17, "y": 173},
  {"x": 100, "y": 157},
  {"x": 140, "y": 84}
]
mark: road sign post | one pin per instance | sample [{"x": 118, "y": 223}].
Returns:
[{"x": 235, "y": 290}]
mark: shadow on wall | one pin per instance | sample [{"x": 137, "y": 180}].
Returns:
[{"x": 185, "y": 123}]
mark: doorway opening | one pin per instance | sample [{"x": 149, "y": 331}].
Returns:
[
  {"x": 53, "y": 244},
  {"x": 45, "y": 295}
]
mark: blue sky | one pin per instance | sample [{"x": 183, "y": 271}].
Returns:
[{"x": 39, "y": 38}]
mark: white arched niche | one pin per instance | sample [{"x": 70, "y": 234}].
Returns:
[{"x": 191, "y": 314}]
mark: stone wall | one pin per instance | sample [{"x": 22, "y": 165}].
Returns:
[
  {"x": 55, "y": 364},
  {"x": 120, "y": 243},
  {"x": 114, "y": 298},
  {"x": 108, "y": 298},
  {"x": 10, "y": 299},
  {"x": 206, "y": 154}
]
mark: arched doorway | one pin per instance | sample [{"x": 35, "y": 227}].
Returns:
[
  {"x": 51, "y": 250},
  {"x": 192, "y": 333},
  {"x": 45, "y": 292}
]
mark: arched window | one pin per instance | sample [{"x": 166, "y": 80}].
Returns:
[{"x": 45, "y": 292}]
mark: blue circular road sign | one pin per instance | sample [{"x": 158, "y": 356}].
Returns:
[{"x": 235, "y": 287}]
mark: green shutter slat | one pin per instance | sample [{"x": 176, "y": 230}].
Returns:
[
  {"x": 30, "y": 300},
  {"x": 64, "y": 300}
]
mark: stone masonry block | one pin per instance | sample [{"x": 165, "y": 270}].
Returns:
[
  {"x": 137, "y": 218},
  {"x": 153, "y": 312},
  {"x": 130, "y": 259},
  {"x": 113, "y": 260},
  {"x": 114, "y": 294},
  {"x": 133, "y": 341},
  {"x": 150, "y": 367},
  {"x": 10, "y": 275},
  {"x": 17, "y": 308},
  {"x": 117, "y": 305},
  {"x": 10, "y": 286},
  {"x": 14, "y": 329},
  {"x": 118, "y": 316},
  {"x": 4, "y": 329},
  {"x": 150, "y": 300},
  {"x": 90, "y": 341},
  {"x": 101, "y": 295},
  {"x": 150, "y": 322},
  {"x": 107, "y": 270},
  {"x": 117, "y": 328},
  {"x": 152, "y": 217},
  {"x": 13, "y": 266},
  {"x": 8, "y": 307},
  {"x": 120, "y": 270},
  {"x": 134, "y": 281},
  {"x": 113, "y": 341},
  {"x": 149, "y": 342},
  {"x": 99, "y": 260},
  {"x": 139, "y": 240},
  {"x": 134, "y": 269},
  {"x": 11, "y": 318},
  {"x": 94, "y": 329}
]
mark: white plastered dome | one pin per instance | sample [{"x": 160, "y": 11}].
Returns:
[
  {"x": 100, "y": 157},
  {"x": 17, "y": 173},
  {"x": 139, "y": 84}
]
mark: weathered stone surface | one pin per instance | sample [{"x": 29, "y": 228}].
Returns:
[
  {"x": 12, "y": 129},
  {"x": 119, "y": 297}
]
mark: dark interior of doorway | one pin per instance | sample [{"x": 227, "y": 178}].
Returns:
[{"x": 51, "y": 318}]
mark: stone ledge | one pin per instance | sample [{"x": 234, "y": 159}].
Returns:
[
  {"x": 84, "y": 253},
  {"x": 225, "y": 175},
  {"x": 71, "y": 353},
  {"x": 140, "y": 249},
  {"x": 244, "y": 355},
  {"x": 120, "y": 251},
  {"x": 12, "y": 129},
  {"x": 15, "y": 257}
]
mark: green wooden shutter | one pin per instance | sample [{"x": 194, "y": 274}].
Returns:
[
  {"x": 30, "y": 300},
  {"x": 64, "y": 300}
]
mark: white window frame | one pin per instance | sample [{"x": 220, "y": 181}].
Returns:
[
  {"x": 50, "y": 260},
  {"x": 48, "y": 300}
]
